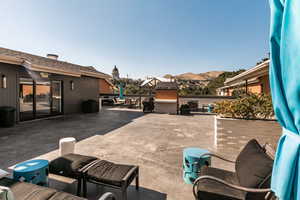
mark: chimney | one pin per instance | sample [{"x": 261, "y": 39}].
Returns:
[{"x": 52, "y": 56}]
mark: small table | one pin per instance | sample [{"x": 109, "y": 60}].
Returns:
[
  {"x": 33, "y": 171},
  {"x": 192, "y": 163}
]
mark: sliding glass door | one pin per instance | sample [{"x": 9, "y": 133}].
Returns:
[
  {"x": 26, "y": 96},
  {"x": 56, "y": 97},
  {"x": 43, "y": 98},
  {"x": 39, "y": 99}
]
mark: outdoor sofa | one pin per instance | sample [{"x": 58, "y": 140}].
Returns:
[
  {"x": 250, "y": 181},
  {"x": 28, "y": 191},
  {"x": 91, "y": 169}
]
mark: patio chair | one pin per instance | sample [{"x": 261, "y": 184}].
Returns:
[
  {"x": 28, "y": 191},
  {"x": 91, "y": 169},
  {"x": 250, "y": 181},
  {"x": 148, "y": 105}
]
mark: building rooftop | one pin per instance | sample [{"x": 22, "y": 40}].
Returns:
[
  {"x": 166, "y": 86},
  {"x": 258, "y": 70},
  {"x": 41, "y": 63}
]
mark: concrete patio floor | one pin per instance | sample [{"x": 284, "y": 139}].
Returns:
[{"x": 152, "y": 141}]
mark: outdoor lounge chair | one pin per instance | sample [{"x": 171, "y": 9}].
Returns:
[
  {"x": 148, "y": 105},
  {"x": 28, "y": 191},
  {"x": 90, "y": 169},
  {"x": 250, "y": 181}
]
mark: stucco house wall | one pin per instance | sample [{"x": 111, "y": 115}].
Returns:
[
  {"x": 85, "y": 88},
  {"x": 166, "y": 94},
  {"x": 9, "y": 95}
]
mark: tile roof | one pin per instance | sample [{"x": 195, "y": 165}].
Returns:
[{"x": 50, "y": 63}]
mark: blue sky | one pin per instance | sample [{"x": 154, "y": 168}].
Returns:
[{"x": 141, "y": 37}]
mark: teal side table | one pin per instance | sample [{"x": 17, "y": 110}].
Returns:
[
  {"x": 33, "y": 171},
  {"x": 192, "y": 163}
]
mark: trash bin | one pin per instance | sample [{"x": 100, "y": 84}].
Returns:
[
  {"x": 90, "y": 106},
  {"x": 7, "y": 116}
]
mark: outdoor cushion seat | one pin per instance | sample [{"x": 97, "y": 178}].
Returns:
[
  {"x": 253, "y": 165},
  {"x": 210, "y": 190},
  {"x": 69, "y": 165},
  {"x": 90, "y": 169},
  {"x": 28, "y": 191},
  {"x": 108, "y": 172},
  {"x": 64, "y": 196},
  {"x": 24, "y": 191},
  {"x": 250, "y": 181}
]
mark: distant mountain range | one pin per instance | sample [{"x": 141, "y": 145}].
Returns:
[{"x": 192, "y": 76}]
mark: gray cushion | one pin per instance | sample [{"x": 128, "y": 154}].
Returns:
[
  {"x": 211, "y": 190},
  {"x": 65, "y": 196},
  {"x": 253, "y": 165},
  {"x": 28, "y": 191},
  {"x": 108, "y": 172},
  {"x": 68, "y": 165}
]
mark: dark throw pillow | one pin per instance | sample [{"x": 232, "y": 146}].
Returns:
[{"x": 253, "y": 165}]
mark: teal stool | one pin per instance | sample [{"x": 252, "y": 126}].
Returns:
[
  {"x": 210, "y": 108},
  {"x": 192, "y": 163},
  {"x": 33, "y": 171}
]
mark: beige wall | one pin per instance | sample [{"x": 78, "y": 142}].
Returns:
[
  {"x": 255, "y": 88},
  {"x": 105, "y": 87},
  {"x": 166, "y": 94},
  {"x": 263, "y": 86},
  {"x": 168, "y": 108}
]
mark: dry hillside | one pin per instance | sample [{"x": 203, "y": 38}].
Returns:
[{"x": 192, "y": 76}]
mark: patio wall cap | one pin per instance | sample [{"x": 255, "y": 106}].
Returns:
[
  {"x": 234, "y": 119},
  {"x": 165, "y": 100}
]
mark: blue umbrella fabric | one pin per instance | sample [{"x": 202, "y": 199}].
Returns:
[{"x": 285, "y": 89}]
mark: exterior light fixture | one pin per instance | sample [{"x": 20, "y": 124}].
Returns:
[
  {"x": 72, "y": 85},
  {"x": 44, "y": 75},
  {"x": 4, "y": 81}
]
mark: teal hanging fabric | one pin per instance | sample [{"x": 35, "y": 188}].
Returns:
[
  {"x": 121, "y": 91},
  {"x": 285, "y": 88}
]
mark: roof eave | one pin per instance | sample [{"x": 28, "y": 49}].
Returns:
[
  {"x": 11, "y": 60},
  {"x": 238, "y": 84},
  {"x": 94, "y": 74},
  {"x": 259, "y": 70},
  {"x": 34, "y": 67},
  {"x": 54, "y": 71}
]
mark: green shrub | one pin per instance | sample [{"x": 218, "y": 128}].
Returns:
[{"x": 251, "y": 106}]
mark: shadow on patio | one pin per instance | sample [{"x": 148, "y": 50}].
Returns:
[
  {"x": 31, "y": 139},
  {"x": 96, "y": 191},
  {"x": 132, "y": 194}
]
